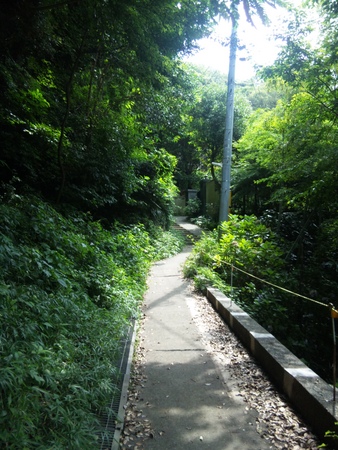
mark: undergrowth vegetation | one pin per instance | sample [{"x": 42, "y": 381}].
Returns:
[
  {"x": 238, "y": 259},
  {"x": 69, "y": 289}
]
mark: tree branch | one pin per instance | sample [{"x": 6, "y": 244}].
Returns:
[{"x": 54, "y": 5}]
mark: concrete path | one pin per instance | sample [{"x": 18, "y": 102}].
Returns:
[
  {"x": 184, "y": 223},
  {"x": 185, "y": 396}
]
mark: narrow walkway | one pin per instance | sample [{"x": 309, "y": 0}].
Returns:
[{"x": 185, "y": 396}]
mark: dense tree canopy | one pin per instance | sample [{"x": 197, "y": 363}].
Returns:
[
  {"x": 87, "y": 110},
  {"x": 75, "y": 80},
  {"x": 101, "y": 125},
  {"x": 295, "y": 142},
  {"x": 285, "y": 168},
  {"x": 285, "y": 173}
]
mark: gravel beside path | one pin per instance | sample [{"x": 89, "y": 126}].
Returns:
[{"x": 274, "y": 419}]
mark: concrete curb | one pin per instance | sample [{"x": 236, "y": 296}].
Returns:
[{"x": 306, "y": 391}]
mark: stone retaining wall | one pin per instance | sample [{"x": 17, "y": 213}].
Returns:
[{"x": 307, "y": 392}]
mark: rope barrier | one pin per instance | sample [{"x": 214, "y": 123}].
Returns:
[
  {"x": 333, "y": 313},
  {"x": 278, "y": 287}
]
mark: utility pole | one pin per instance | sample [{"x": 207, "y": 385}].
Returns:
[{"x": 229, "y": 127}]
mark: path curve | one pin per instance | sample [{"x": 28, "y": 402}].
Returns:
[{"x": 182, "y": 397}]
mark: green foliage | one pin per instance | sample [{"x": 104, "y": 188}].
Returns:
[
  {"x": 204, "y": 222},
  {"x": 193, "y": 207},
  {"x": 200, "y": 138},
  {"x": 244, "y": 243},
  {"x": 237, "y": 259},
  {"x": 69, "y": 289},
  {"x": 265, "y": 95},
  {"x": 281, "y": 156},
  {"x": 301, "y": 134},
  {"x": 86, "y": 88},
  {"x": 166, "y": 243},
  {"x": 202, "y": 254}
]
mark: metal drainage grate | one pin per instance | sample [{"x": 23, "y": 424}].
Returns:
[{"x": 108, "y": 421}]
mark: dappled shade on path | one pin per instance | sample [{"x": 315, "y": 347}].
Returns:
[{"x": 184, "y": 396}]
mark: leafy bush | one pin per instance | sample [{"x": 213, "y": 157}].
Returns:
[
  {"x": 241, "y": 242},
  {"x": 202, "y": 255},
  {"x": 193, "y": 207},
  {"x": 69, "y": 289},
  {"x": 248, "y": 244},
  {"x": 255, "y": 252},
  {"x": 166, "y": 243},
  {"x": 205, "y": 222},
  {"x": 206, "y": 277}
]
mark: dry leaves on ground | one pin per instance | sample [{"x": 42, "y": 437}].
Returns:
[
  {"x": 276, "y": 421},
  {"x": 137, "y": 428}
]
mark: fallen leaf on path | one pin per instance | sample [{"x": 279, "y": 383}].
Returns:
[{"x": 276, "y": 420}]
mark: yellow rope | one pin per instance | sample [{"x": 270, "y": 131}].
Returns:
[{"x": 278, "y": 287}]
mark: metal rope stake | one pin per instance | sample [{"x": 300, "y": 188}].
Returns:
[{"x": 334, "y": 315}]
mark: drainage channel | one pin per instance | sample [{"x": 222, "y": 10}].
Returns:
[{"x": 111, "y": 422}]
